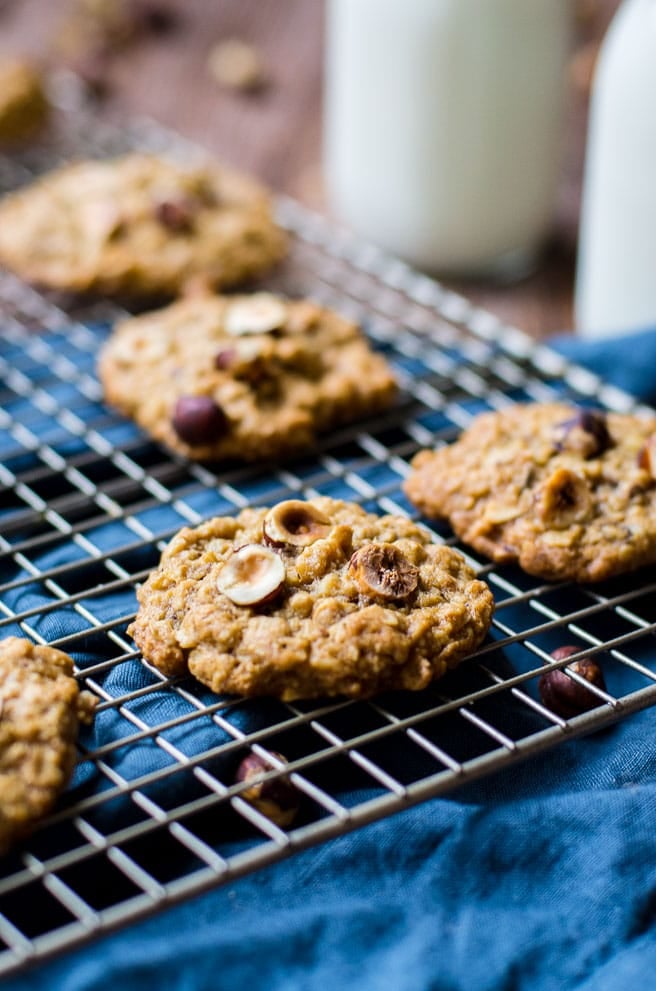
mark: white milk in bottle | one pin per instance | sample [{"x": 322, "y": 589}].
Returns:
[
  {"x": 616, "y": 266},
  {"x": 443, "y": 125}
]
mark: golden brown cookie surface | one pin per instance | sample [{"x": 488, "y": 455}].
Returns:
[
  {"x": 42, "y": 707},
  {"x": 247, "y": 377},
  {"x": 309, "y": 599},
  {"x": 566, "y": 493},
  {"x": 138, "y": 226}
]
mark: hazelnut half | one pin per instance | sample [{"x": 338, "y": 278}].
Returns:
[
  {"x": 253, "y": 576},
  {"x": 277, "y": 798},
  {"x": 294, "y": 522},
  {"x": 565, "y": 499},
  {"x": 257, "y": 314},
  {"x": 562, "y": 694},
  {"x": 585, "y": 434},
  {"x": 382, "y": 570}
]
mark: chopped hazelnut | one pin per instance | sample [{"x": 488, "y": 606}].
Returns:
[
  {"x": 176, "y": 213},
  {"x": 296, "y": 523},
  {"x": 565, "y": 499},
  {"x": 257, "y": 314},
  {"x": 225, "y": 358},
  {"x": 381, "y": 570},
  {"x": 585, "y": 434},
  {"x": 647, "y": 456},
  {"x": 253, "y": 576}
]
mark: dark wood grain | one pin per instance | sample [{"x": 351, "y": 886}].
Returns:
[{"x": 276, "y": 132}]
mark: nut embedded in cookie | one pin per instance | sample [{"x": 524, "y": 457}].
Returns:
[
  {"x": 257, "y": 314},
  {"x": 362, "y": 604},
  {"x": 198, "y": 420},
  {"x": 252, "y": 576},
  {"x": 585, "y": 433},
  {"x": 647, "y": 456},
  {"x": 295, "y": 523},
  {"x": 381, "y": 571}
]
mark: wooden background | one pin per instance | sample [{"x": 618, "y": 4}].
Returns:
[{"x": 276, "y": 132}]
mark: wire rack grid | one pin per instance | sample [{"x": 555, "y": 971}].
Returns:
[{"x": 154, "y": 814}]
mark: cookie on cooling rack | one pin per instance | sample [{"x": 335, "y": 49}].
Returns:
[
  {"x": 309, "y": 599},
  {"x": 24, "y": 106},
  {"x": 565, "y": 492},
  {"x": 41, "y": 708},
  {"x": 138, "y": 226},
  {"x": 248, "y": 377}
]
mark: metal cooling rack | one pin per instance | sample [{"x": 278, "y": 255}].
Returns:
[{"x": 153, "y": 815}]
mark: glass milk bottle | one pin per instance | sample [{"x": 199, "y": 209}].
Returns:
[
  {"x": 616, "y": 266},
  {"x": 443, "y": 125}
]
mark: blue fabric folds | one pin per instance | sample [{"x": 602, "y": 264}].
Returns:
[
  {"x": 541, "y": 878},
  {"x": 627, "y": 362}
]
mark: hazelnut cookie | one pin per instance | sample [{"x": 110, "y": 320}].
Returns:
[
  {"x": 565, "y": 492},
  {"x": 41, "y": 708},
  {"x": 310, "y": 598},
  {"x": 138, "y": 226},
  {"x": 248, "y": 377}
]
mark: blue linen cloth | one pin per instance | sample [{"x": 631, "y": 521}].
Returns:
[
  {"x": 627, "y": 362},
  {"x": 542, "y": 877}
]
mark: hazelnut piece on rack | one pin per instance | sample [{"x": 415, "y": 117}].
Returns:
[
  {"x": 585, "y": 434},
  {"x": 382, "y": 571},
  {"x": 253, "y": 576},
  {"x": 257, "y": 314},
  {"x": 198, "y": 420},
  {"x": 562, "y": 694},
  {"x": 278, "y": 799},
  {"x": 294, "y": 523}
]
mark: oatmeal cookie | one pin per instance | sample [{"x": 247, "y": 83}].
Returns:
[
  {"x": 565, "y": 492},
  {"x": 24, "y": 106},
  {"x": 41, "y": 707},
  {"x": 248, "y": 377},
  {"x": 138, "y": 226},
  {"x": 309, "y": 599}
]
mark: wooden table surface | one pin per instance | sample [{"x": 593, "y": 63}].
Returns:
[{"x": 276, "y": 132}]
